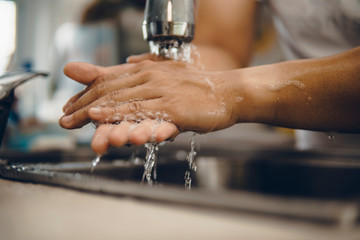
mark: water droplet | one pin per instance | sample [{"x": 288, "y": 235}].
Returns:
[
  {"x": 95, "y": 162},
  {"x": 282, "y": 84},
  {"x": 188, "y": 180},
  {"x": 239, "y": 99},
  {"x": 330, "y": 136}
]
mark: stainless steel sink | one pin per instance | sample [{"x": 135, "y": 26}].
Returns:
[{"x": 284, "y": 183}]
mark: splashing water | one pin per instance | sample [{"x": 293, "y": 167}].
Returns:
[
  {"x": 188, "y": 180},
  {"x": 192, "y": 163},
  {"x": 191, "y": 155},
  {"x": 172, "y": 49},
  {"x": 330, "y": 135},
  {"x": 150, "y": 173},
  {"x": 95, "y": 162},
  {"x": 179, "y": 52}
]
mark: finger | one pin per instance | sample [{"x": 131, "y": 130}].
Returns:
[
  {"x": 148, "y": 130},
  {"x": 144, "y": 56},
  {"x": 132, "y": 111},
  {"x": 82, "y": 72},
  {"x": 75, "y": 120},
  {"x": 104, "y": 87},
  {"x": 138, "y": 133},
  {"x": 100, "y": 143},
  {"x": 87, "y": 73},
  {"x": 104, "y": 109},
  {"x": 152, "y": 131},
  {"x": 119, "y": 134},
  {"x": 141, "y": 133},
  {"x": 164, "y": 131},
  {"x": 72, "y": 100}
]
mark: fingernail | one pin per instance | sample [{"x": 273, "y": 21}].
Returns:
[
  {"x": 128, "y": 59},
  {"x": 67, "y": 119}
]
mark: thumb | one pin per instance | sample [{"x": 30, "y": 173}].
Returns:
[
  {"x": 82, "y": 72},
  {"x": 144, "y": 56}
]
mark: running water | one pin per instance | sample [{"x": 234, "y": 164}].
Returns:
[
  {"x": 150, "y": 173},
  {"x": 172, "y": 50},
  {"x": 282, "y": 84},
  {"x": 95, "y": 162},
  {"x": 180, "y": 52},
  {"x": 192, "y": 163}
]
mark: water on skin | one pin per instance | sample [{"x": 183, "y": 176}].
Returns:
[
  {"x": 220, "y": 110},
  {"x": 282, "y": 84},
  {"x": 239, "y": 99},
  {"x": 178, "y": 52}
]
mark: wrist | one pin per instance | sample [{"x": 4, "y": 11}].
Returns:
[{"x": 253, "y": 99}]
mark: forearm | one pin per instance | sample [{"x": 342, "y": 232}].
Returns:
[
  {"x": 316, "y": 94},
  {"x": 216, "y": 58},
  {"x": 224, "y": 33}
]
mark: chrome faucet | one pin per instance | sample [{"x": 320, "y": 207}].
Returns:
[
  {"x": 168, "y": 23},
  {"x": 8, "y": 82}
]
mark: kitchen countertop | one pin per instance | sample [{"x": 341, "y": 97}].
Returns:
[{"x": 35, "y": 211}]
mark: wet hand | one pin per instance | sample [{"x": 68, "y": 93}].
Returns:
[
  {"x": 175, "y": 96},
  {"x": 118, "y": 135}
]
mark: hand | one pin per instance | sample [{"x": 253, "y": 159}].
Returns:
[
  {"x": 170, "y": 93},
  {"x": 126, "y": 132}
]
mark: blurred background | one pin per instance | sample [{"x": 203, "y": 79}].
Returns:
[
  {"x": 43, "y": 35},
  {"x": 250, "y": 171}
]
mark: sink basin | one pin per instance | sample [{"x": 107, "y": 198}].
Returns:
[{"x": 284, "y": 183}]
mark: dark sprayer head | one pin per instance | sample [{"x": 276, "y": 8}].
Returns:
[{"x": 168, "y": 23}]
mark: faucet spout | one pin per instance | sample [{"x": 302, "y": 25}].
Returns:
[
  {"x": 168, "y": 23},
  {"x": 8, "y": 83}
]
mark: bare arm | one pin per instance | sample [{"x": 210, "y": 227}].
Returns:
[
  {"x": 224, "y": 33},
  {"x": 316, "y": 94}
]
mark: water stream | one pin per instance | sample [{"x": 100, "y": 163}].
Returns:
[
  {"x": 95, "y": 162},
  {"x": 172, "y": 50},
  {"x": 179, "y": 52},
  {"x": 192, "y": 163},
  {"x": 150, "y": 173}
]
